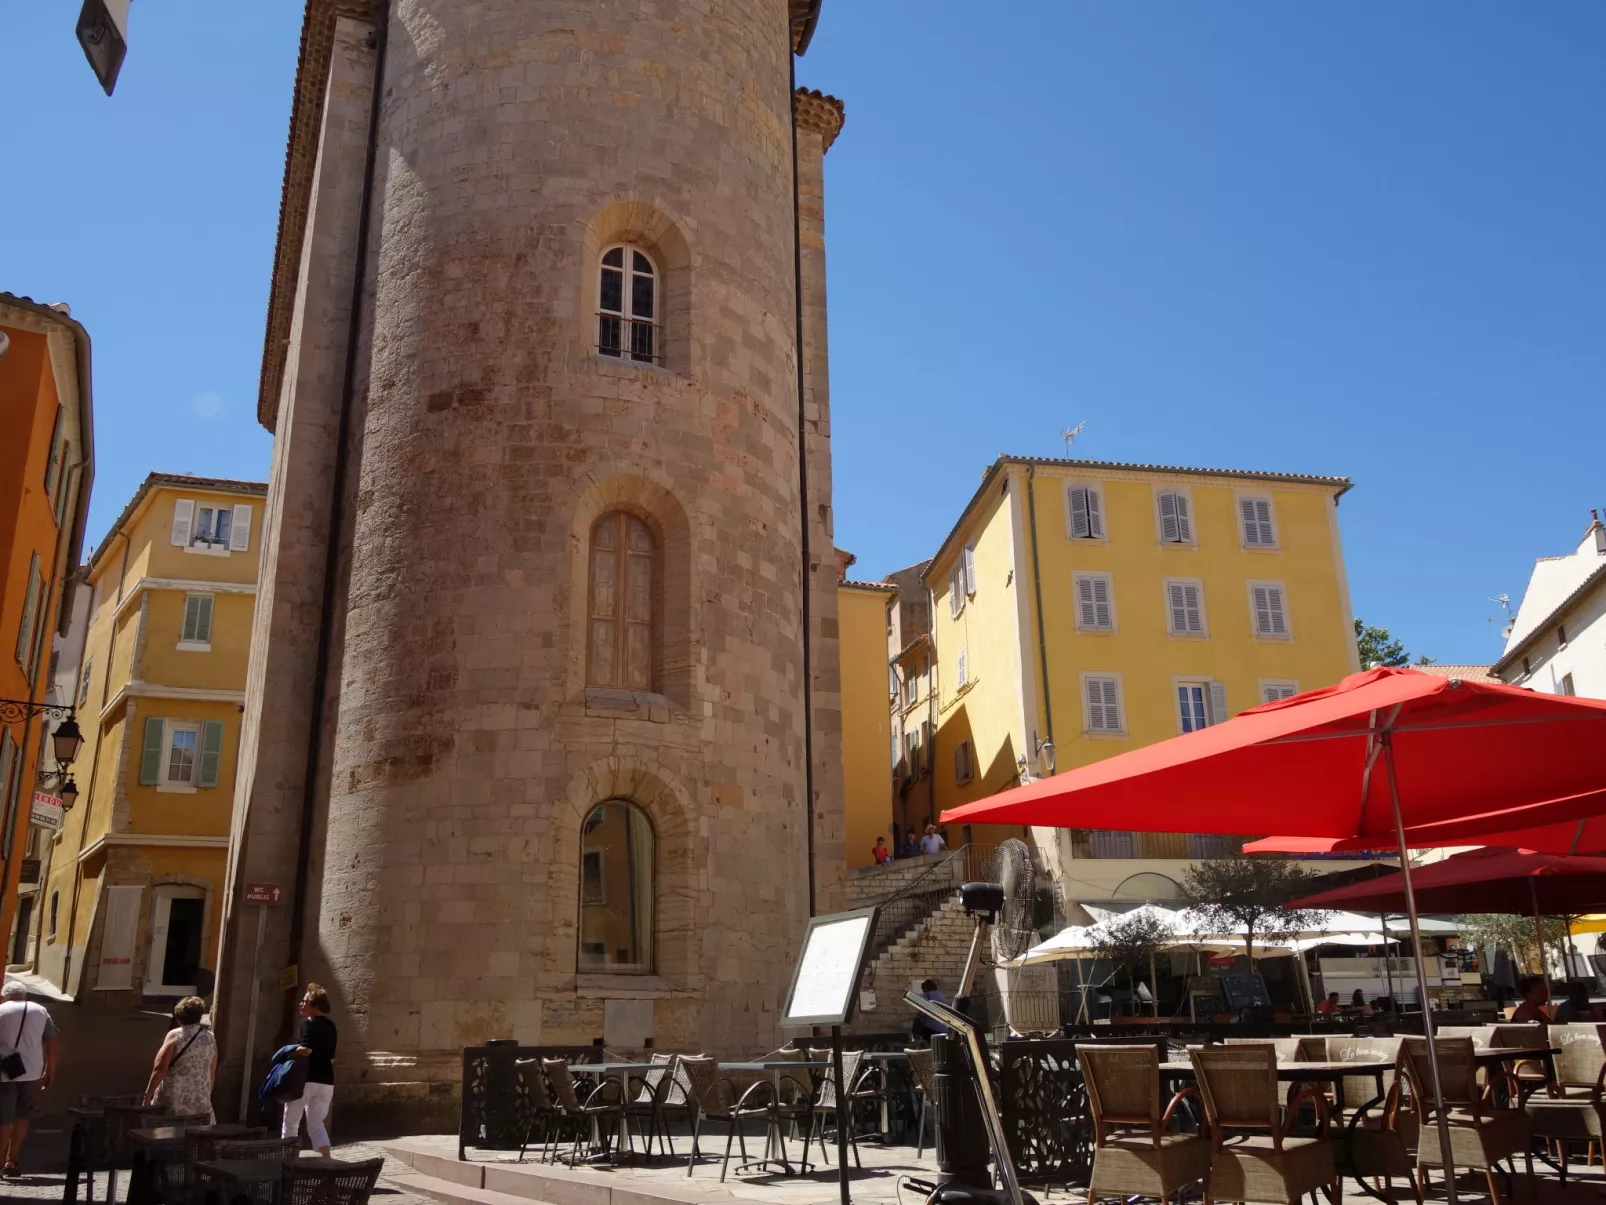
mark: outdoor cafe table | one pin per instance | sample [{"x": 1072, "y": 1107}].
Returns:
[
  {"x": 776, "y": 1067},
  {"x": 254, "y": 1180},
  {"x": 154, "y": 1145},
  {"x": 624, "y": 1071}
]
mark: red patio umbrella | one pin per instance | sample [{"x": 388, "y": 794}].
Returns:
[
  {"x": 1517, "y": 881},
  {"x": 1382, "y": 749},
  {"x": 1585, "y": 836}
]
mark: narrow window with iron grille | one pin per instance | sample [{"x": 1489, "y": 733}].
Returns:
[{"x": 627, "y": 306}]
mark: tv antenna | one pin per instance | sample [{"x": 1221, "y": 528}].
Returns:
[
  {"x": 1069, "y": 436},
  {"x": 1511, "y": 620}
]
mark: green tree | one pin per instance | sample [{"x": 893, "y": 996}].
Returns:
[
  {"x": 1248, "y": 893},
  {"x": 1129, "y": 943},
  {"x": 1513, "y": 934},
  {"x": 1379, "y": 646}
]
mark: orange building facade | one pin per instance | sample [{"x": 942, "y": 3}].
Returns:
[{"x": 46, "y": 469}]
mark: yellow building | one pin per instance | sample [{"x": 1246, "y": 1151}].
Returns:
[
  {"x": 1082, "y": 609},
  {"x": 133, "y": 888},
  {"x": 866, "y": 722}
]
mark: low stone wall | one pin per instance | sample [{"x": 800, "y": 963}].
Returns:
[{"x": 872, "y": 884}]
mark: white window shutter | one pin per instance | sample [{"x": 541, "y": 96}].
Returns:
[
  {"x": 1079, "y": 522},
  {"x": 1194, "y": 613},
  {"x": 970, "y": 569},
  {"x": 1177, "y": 597},
  {"x": 1256, "y": 514},
  {"x": 1170, "y": 532},
  {"x": 1084, "y": 602},
  {"x": 240, "y": 529},
  {"x": 1274, "y": 604},
  {"x": 183, "y": 519},
  {"x": 956, "y": 596},
  {"x": 962, "y": 675},
  {"x": 1218, "y": 702},
  {"x": 1095, "y": 519},
  {"x": 1103, "y": 613},
  {"x": 1103, "y": 705},
  {"x": 1184, "y": 521}
]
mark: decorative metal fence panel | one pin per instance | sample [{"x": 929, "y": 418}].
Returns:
[{"x": 1044, "y": 1108}]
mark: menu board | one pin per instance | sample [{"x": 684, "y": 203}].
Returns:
[{"x": 825, "y": 983}]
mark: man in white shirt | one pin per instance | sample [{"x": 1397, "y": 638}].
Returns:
[
  {"x": 932, "y": 842},
  {"x": 25, "y": 1030}
]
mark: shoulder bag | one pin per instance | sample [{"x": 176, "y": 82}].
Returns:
[{"x": 12, "y": 1066}]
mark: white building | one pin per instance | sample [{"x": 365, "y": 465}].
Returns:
[{"x": 1558, "y": 640}]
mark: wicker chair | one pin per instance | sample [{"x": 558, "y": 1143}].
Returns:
[
  {"x": 924, "y": 1070},
  {"x": 349, "y": 1184},
  {"x": 603, "y": 1107},
  {"x": 121, "y": 1120},
  {"x": 175, "y": 1181},
  {"x": 1143, "y": 1159},
  {"x": 714, "y": 1098},
  {"x": 1480, "y": 1134},
  {"x": 831, "y": 1098},
  {"x": 651, "y": 1099},
  {"x": 1571, "y": 1109},
  {"x": 1382, "y": 1144},
  {"x": 1238, "y": 1085}
]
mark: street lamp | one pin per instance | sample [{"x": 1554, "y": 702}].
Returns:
[
  {"x": 68, "y": 794},
  {"x": 67, "y": 741}
]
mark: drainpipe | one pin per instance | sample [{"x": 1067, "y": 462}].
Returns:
[
  {"x": 1037, "y": 591},
  {"x": 803, "y": 490}
]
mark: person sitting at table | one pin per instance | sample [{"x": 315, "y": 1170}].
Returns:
[
  {"x": 1532, "y": 990},
  {"x": 1358, "y": 1002},
  {"x": 1329, "y": 1005},
  {"x": 1576, "y": 1007}
]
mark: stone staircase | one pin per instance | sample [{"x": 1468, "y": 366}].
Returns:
[{"x": 934, "y": 948}]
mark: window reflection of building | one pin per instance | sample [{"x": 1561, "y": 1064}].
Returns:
[{"x": 616, "y": 889}]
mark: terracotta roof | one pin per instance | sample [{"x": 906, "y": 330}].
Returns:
[
  {"x": 879, "y": 587},
  {"x": 301, "y": 154},
  {"x": 221, "y": 485},
  {"x": 1340, "y": 485},
  {"x": 1467, "y": 673}
]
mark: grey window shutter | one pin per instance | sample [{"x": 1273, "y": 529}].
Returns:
[
  {"x": 1274, "y": 607},
  {"x": 1103, "y": 612},
  {"x": 1084, "y": 602},
  {"x": 956, "y": 595},
  {"x": 1218, "y": 702},
  {"x": 1095, "y": 520},
  {"x": 1079, "y": 529},
  {"x": 203, "y": 619},
  {"x": 240, "y": 529},
  {"x": 970, "y": 569},
  {"x": 1194, "y": 613},
  {"x": 1176, "y": 596},
  {"x": 1170, "y": 530},
  {"x": 211, "y": 751},
  {"x": 150, "y": 758},
  {"x": 1184, "y": 522},
  {"x": 183, "y": 519}
]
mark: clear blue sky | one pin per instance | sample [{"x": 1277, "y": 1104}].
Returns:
[{"x": 1349, "y": 238}]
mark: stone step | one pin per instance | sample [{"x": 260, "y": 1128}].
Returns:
[
  {"x": 476, "y": 1182},
  {"x": 449, "y": 1192}
]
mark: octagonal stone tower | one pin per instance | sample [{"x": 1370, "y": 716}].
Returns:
[{"x": 528, "y": 725}]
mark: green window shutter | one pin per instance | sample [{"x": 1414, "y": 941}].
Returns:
[
  {"x": 150, "y": 758},
  {"x": 203, "y": 619},
  {"x": 30, "y": 604},
  {"x": 211, "y": 751}
]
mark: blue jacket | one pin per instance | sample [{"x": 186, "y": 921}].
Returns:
[{"x": 286, "y": 1078}]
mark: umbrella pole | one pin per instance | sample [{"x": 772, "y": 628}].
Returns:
[
  {"x": 1539, "y": 938},
  {"x": 1388, "y": 967},
  {"x": 1421, "y": 967}
]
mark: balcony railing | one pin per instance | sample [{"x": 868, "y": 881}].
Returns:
[{"x": 1182, "y": 847}]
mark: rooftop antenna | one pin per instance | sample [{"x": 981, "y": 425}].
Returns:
[
  {"x": 1069, "y": 436},
  {"x": 1511, "y": 620}
]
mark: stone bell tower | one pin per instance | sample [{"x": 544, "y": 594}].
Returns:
[{"x": 546, "y": 634}]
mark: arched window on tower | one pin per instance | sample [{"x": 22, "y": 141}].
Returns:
[
  {"x": 623, "y": 599},
  {"x": 627, "y": 306},
  {"x": 616, "y": 889}
]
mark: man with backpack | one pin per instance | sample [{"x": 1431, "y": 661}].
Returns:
[{"x": 29, "y": 1048}]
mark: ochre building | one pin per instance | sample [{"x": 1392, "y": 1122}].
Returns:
[
  {"x": 134, "y": 880},
  {"x": 46, "y": 468},
  {"x": 544, "y": 669}
]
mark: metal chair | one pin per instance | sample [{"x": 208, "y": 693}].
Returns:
[
  {"x": 604, "y": 1103},
  {"x": 1570, "y": 1108},
  {"x": 1480, "y": 1134},
  {"x": 714, "y": 1098},
  {"x": 651, "y": 1099},
  {"x": 1238, "y": 1085},
  {"x": 924, "y": 1070},
  {"x": 545, "y": 1118},
  {"x": 1134, "y": 1152},
  {"x": 349, "y": 1184},
  {"x": 831, "y": 1098}
]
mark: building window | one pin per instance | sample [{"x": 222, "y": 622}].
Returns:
[
  {"x": 627, "y": 306},
  {"x": 616, "y": 889},
  {"x": 1273, "y": 691},
  {"x": 1176, "y": 518},
  {"x": 1527, "y": 666},
  {"x": 963, "y": 769},
  {"x": 55, "y": 915},
  {"x": 1255, "y": 516},
  {"x": 32, "y": 606},
  {"x": 1095, "y": 602},
  {"x": 1561, "y": 636},
  {"x": 181, "y": 755},
  {"x": 1084, "y": 512},
  {"x": 1200, "y": 704},
  {"x": 1567, "y": 685},
  {"x": 620, "y": 650},
  {"x": 208, "y": 527},
  {"x": 83, "y": 685},
  {"x": 1268, "y": 608},
  {"x": 1185, "y": 607},
  {"x": 1102, "y": 695},
  {"x": 196, "y": 632}
]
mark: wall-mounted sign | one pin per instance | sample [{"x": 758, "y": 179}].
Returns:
[{"x": 46, "y": 812}]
